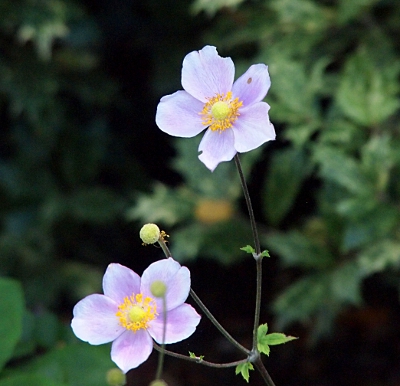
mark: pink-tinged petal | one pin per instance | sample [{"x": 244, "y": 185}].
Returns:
[
  {"x": 217, "y": 147},
  {"x": 253, "y": 127},
  {"x": 205, "y": 73},
  {"x": 131, "y": 349},
  {"x": 175, "y": 277},
  {"x": 181, "y": 323},
  {"x": 253, "y": 85},
  {"x": 95, "y": 321},
  {"x": 179, "y": 115},
  {"x": 119, "y": 282}
]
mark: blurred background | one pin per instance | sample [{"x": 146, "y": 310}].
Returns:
[{"x": 83, "y": 166}]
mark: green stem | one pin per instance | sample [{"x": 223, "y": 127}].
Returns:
[
  {"x": 249, "y": 206},
  {"x": 162, "y": 352},
  {"x": 206, "y": 311},
  {"x": 198, "y": 359},
  {"x": 263, "y": 371},
  {"x": 257, "y": 254}
]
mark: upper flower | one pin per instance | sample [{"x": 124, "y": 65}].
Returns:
[
  {"x": 130, "y": 316},
  {"x": 236, "y": 118}
]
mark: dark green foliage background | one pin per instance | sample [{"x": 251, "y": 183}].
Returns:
[{"x": 83, "y": 165}]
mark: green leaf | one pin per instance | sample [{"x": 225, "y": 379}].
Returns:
[
  {"x": 265, "y": 340},
  {"x": 243, "y": 369},
  {"x": 276, "y": 338},
  {"x": 11, "y": 309},
  {"x": 342, "y": 169},
  {"x": 29, "y": 379},
  {"x": 288, "y": 170},
  {"x": 248, "y": 249},
  {"x": 367, "y": 92},
  {"x": 297, "y": 249},
  {"x": 193, "y": 355},
  {"x": 265, "y": 253}
]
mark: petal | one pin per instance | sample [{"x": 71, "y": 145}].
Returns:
[
  {"x": 94, "y": 320},
  {"x": 119, "y": 282},
  {"x": 131, "y": 349},
  {"x": 253, "y": 127},
  {"x": 253, "y": 85},
  {"x": 181, "y": 323},
  {"x": 175, "y": 277},
  {"x": 205, "y": 73},
  {"x": 179, "y": 115},
  {"x": 217, "y": 147}
]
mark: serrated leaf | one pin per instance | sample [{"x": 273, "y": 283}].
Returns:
[
  {"x": 276, "y": 338},
  {"x": 265, "y": 253},
  {"x": 243, "y": 369},
  {"x": 248, "y": 249}
]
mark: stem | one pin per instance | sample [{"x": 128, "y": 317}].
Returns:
[
  {"x": 263, "y": 371},
  {"x": 162, "y": 352},
  {"x": 249, "y": 206},
  {"x": 197, "y": 360},
  {"x": 257, "y": 254},
  {"x": 217, "y": 324},
  {"x": 206, "y": 311}
]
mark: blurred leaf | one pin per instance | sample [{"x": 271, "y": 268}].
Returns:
[
  {"x": 29, "y": 379},
  {"x": 297, "y": 249},
  {"x": 381, "y": 256},
  {"x": 288, "y": 170},
  {"x": 350, "y": 9},
  {"x": 368, "y": 93},
  {"x": 211, "y": 7},
  {"x": 163, "y": 205},
  {"x": 12, "y": 308},
  {"x": 74, "y": 365},
  {"x": 342, "y": 169}
]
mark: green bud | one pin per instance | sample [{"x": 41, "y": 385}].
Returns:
[
  {"x": 150, "y": 233},
  {"x": 158, "y": 382},
  {"x": 115, "y": 377},
  {"x": 158, "y": 288}
]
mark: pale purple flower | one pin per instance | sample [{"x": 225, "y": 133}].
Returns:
[
  {"x": 236, "y": 118},
  {"x": 130, "y": 316}
]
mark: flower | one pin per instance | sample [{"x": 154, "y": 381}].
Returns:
[
  {"x": 130, "y": 317},
  {"x": 236, "y": 118}
]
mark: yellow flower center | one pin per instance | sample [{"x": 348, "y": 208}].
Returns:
[
  {"x": 221, "y": 111},
  {"x": 135, "y": 312}
]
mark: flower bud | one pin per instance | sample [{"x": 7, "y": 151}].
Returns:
[
  {"x": 115, "y": 377},
  {"x": 158, "y": 382},
  {"x": 150, "y": 233},
  {"x": 158, "y": 288}
]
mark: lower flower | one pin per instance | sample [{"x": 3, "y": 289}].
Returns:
[{"x": 131, "y": 317}]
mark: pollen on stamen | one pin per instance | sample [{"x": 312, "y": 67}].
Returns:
[
  {"x": 217, "y": 120},
  {"x": 135, "y": 312}
]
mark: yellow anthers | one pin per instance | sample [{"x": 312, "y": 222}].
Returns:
[
  {"x": 135, "y": 312},
  {"x": 150, "y": 233},
  {"x": 221, "y": 111}
]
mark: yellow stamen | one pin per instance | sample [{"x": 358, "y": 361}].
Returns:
[
  {"x": 135, "y": 312},
  {"x": 221, "y": 111}
]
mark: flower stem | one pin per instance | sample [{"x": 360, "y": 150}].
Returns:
[
  {"x": 257, "y": 255},
  {"x": 249, "y": 206},
  {"x": 162, "y": 352},
  {"x": 206, "y": 311},
  {"x": 263, "y": 372},
  {"x": 198, "y": 360}
]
